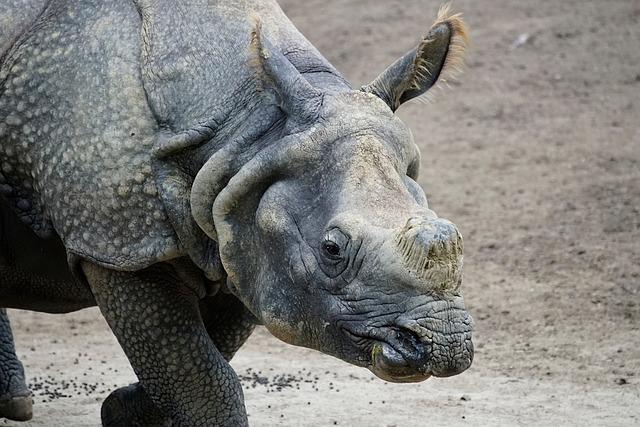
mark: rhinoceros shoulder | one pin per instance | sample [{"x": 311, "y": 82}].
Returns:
[{"x": 76, "y": 137}]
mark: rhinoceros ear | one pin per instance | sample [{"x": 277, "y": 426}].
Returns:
[
  {"x": 280, "y": 82},
  {"x": 440, "y": 51}
]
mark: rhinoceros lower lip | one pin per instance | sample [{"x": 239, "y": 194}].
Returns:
[
  {"x": 397, "y": 355},
  {"x": 390, "y": 365}
]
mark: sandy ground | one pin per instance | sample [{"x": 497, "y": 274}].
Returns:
[{"x": 534, "y": 152}]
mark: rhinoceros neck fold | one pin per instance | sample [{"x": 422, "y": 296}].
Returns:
[{"x": 202, "y": 90}]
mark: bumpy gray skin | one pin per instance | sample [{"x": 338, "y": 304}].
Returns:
[
  {"x": 15, "y": 397},
  {"x": 194, "y": 168}
]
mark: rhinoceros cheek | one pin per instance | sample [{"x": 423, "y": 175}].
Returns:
[{"x": 286, "y": 331}]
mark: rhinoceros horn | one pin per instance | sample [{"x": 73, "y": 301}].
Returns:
[{"x": 432, "y": 252}]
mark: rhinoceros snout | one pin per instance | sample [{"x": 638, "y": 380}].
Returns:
[
  {"x": 432, "y": 251},
  {"x": 456, "y": 365}
]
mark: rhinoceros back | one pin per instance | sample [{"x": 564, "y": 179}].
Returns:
[{"x": 76, "y": 136}]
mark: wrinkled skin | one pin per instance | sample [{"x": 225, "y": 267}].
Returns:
[
  {"x": 349, "y": 290},
  {"x": 195, "y": 168}
]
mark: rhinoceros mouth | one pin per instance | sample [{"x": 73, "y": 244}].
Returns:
[
  {"x": 390, "y": 365},
  {"x": 397, "y": 355}
]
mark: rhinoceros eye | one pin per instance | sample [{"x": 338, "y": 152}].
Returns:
[
  {"x": 331, "y": 248},
  {"x": 334, "y": 244}
]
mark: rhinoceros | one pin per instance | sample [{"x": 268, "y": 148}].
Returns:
[{"x": 195, "y": 168}]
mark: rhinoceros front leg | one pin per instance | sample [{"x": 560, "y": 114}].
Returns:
[
  {"x": 155, "y": 317},
  {"x": 228, "y": 322},
  {"x": 15, "y": 397}
]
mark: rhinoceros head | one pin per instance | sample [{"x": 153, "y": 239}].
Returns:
[{"x": 325, "y": 235}]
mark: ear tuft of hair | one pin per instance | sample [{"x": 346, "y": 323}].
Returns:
[
  {"x": 438, "y": 55},
  {"x": 459, "y": 42}
]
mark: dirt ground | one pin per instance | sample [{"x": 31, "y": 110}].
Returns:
[{"x": 534, "y": 152}]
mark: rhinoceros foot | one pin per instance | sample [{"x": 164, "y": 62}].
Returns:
[
  {"x": 131, "y": 406},
  {"x": 17, "y": 408}
]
